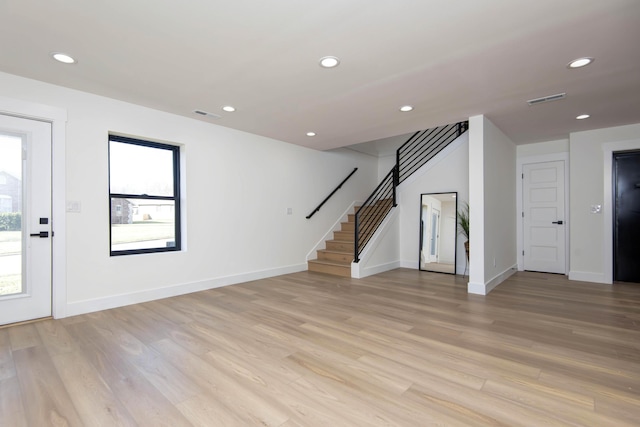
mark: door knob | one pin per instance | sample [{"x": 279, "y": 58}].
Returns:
[
  {"x": 557, "y": 222},
  {"x": 42, "y": 234}
]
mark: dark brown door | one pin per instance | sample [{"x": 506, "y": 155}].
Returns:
[{"x": 626, "y": 244}]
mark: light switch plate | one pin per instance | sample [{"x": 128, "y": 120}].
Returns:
[{"x": 73, "y": 206}]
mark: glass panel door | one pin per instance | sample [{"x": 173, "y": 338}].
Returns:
[
  {"x": 11, "y": 235},
  {"x": 25, "y": 219}
]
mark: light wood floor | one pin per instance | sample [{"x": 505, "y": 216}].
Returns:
[{"x": 404, "y": 348}]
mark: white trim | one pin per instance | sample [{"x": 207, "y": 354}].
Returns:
[
  {"x": 586, "y": 276},
  {"x": 322, "y": 243},
  {"x": 476, "y": 288},
  {"x": 359, "y": 273},
  {"x": 58, "y": 119},
  {"x": 98, "y": 304},
  {"x": 485, "y": 288},
  {"x": 543, "y": 158},
  {"x": 607, "y": 248}
]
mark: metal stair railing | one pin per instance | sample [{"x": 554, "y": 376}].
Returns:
[
  {"x": 421, "y": 147},
  {"x": 369, "y": 216}
]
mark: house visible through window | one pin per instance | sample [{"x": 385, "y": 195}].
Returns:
[{"x": 144, "y": 184}]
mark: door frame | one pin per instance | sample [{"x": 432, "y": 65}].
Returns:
[
  {"x": 520, "y": 162},
  {"x": 58, "y": 119},
  {"x": 608, "y": 202}
]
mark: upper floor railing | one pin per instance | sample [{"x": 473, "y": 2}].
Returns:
[{"x": 423, "y": 145}]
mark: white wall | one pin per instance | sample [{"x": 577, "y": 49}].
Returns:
[
  {"x": 443, "y": 174},
  {"x": 492, "y": 187},
  {"x": 385, "y": 164},
  {"x": 542, "y": 148},
  {"x": 238, "y": 187},
  {"x": 590, "y": 182}
]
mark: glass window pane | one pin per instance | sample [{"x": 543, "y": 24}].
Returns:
[
  {"x": 136, "y": 169},
  {"x": 10, "y": 215},
  {"x": 142, "y": 224}
]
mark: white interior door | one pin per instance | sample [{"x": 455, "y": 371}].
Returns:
[
  {"x": 544, "y": 217},
  {"x": 25, "y": 219}
]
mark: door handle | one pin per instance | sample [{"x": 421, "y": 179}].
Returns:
[
  {"x": 557, "y": 222},
  {"x": 42, "y": 234}
]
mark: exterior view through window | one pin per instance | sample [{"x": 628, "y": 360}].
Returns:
[{"x": 144, "y": 193}]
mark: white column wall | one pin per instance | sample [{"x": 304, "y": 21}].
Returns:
[{"x": 492, "y": 188}]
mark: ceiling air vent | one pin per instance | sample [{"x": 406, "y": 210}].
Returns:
[
  {"x": 549, "y": 98},
  {"x": 207, "y": 114}
]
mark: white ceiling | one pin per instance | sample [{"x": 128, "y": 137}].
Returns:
[{"x": 449, "y": 59}]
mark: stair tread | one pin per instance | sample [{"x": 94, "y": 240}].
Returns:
[
  {"x": 334, "y": 263},
  {"x": 334, "y": 251}
]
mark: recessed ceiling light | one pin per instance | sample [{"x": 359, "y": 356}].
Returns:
[
  {"x": 583, "y": 116},
  {"x": 406, "y": 108},
  {"x": 228, "y": 108},
  {"x": 580, "y": 62},
  {"x": 63, "y": 57},
  {"x": 329, "y": 62},
  {"x": 311, "y": 134}
]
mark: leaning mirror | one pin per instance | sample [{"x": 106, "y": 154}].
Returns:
[{"x": 438, "y": 219}]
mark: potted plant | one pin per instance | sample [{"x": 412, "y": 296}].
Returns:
[{"x": 463, "y": 225}]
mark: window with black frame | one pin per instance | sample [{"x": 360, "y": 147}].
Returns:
[{"x": 144, "y": 196}]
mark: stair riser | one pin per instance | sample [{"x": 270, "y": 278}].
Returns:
[
  {"x": 346, "y": 236},
  {"x": 335, "y": 256},
  {"x": 330, "y": 269},
  {"x": 339, "y": 246},
  {"x": 348, "y": 226}
]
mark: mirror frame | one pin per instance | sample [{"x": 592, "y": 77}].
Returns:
[{"x": 421, "y": 265}]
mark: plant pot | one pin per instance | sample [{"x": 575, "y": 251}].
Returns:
[{"x": 466, "y": 249}]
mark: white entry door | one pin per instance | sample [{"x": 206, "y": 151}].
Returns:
[
  {"x": 25, "y": 219},
  {"x": 544, "y": 217}
]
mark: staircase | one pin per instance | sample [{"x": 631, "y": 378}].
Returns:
[
  {"x": 336, "y": 258},
  {"x": 348, "y": 243}
]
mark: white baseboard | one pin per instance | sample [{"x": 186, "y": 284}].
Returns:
[
  {"x": 476, "y": 288},
  {"x": 409, "y": 264},
  {"x": 359, "y": 273},
  {"x": 89, "y": 306},
  {"x": 485, "y": 288},
  {"x": 585, "y": 276}
]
